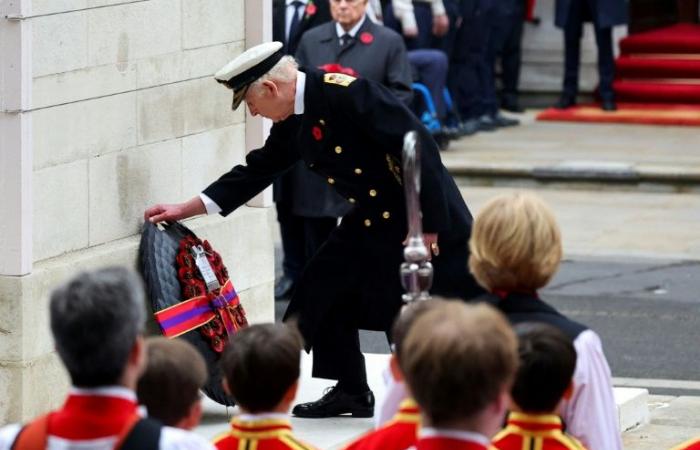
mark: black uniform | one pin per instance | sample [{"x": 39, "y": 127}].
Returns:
[{"x": 351, "y": 133}]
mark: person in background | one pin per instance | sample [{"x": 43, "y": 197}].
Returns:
[
  {"x": 515, "y": 250},
  {"x": 97, "y": 320},
  {"x": 544, "y": 378},
  {"x": 290, "y": 20},
  {"x": 261, "y": 367},
  {"x": 170, "y": 386},
  {"x": 570, "y": 16},
  {"x": 459, "y": 364}
]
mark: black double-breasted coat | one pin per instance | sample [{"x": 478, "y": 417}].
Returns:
[
  {"x": 351, "y": 133},
  {"x": 313, "y": 16}
]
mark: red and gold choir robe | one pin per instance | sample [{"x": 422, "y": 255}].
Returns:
[
  {"x": 264, "y": 433},
  {"x": 541, "y": 431},
  {"x": 398, "y": 434}
]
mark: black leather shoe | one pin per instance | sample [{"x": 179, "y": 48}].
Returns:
[
  {"x": 565, "y": 101},
  {"x": 336, "y": 402},
  {"x": 486, "y": 123},
  {"x": 284, "y": 288},
  {"x": 469, "y": 127},
  {"x": 502, "y": 121},
  {"x": 608, "y": 105}
]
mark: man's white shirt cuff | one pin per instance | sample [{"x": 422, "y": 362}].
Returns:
[{"x": 210, "y": 205}]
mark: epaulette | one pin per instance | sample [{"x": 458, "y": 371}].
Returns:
[{"x": 338, "y": 78}]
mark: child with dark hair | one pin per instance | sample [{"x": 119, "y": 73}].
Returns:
[
  {"x": 400, "y": 432},
  {"x": 170, "y": 386},
  {"x": 261, "y": 367},
  {"x": 544, "y": 378}
]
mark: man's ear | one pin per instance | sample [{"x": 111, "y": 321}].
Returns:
[
  {"x": 395, "y": 368},
  {"x": 291, "y": 392},
  {"x": 138, "y": 354},
  {"x": 569, "y": 392},
  {"x": 270, "y": 88}
]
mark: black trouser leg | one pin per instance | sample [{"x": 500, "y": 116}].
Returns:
[
  {"x": 572, "y": 48},
  {"x": 292, "y": 233},
  {"x": 606, "y": 62},
  {"x": 511, "y": 60}
]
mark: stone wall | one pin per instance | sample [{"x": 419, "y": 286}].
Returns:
[{"x": 124, "y": 113}]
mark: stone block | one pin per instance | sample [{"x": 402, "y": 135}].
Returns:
[
  {"x": 32, "y": 388},
  {"x": 124, "y": 184},
  {"x": 190, "y": 107},
  {"x": 223, "y": 21},
  {"x": 185, "y": 65},
  {"x": 132, "y": 31},
  {"x": 206, "y": 156},
  {"x": 82, "y": 84},
  {"x": 84, "y": 129},
  {"x": 12, "y": 291},
  {"x": 60, "y": 209},
  {"x": 60, "y": 43},
  {"x": 259, "y": 303},
  {"x": 632, "y": 407}
]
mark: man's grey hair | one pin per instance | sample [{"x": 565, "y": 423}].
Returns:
[
  {"x": 95, "y": 319},
  {"x": 285, "y": 71}
]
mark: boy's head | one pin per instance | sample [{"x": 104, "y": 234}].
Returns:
[
  {"x": 169, "y": 388},
  {"x": 261, "y": 367},
  {"x": 515, "y": 244},
  {"x": 402, "y": 324},
  {"x": 547, "y": 363},
  {"x": 459, "y": 361}
]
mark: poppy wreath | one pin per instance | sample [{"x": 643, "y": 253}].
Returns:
[{"x": 218, "y": 313}]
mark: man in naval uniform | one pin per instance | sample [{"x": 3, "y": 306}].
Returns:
[{"x": 350, "y": 131}]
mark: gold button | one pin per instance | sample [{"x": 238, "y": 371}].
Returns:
[
  {"x": 331, "y": 181},
  {"x": 339, "y": 149},
  {"x": 386, "y": 214},
  {"x": 322, "y": 122},
  {"x": 368, "y": 222},
  {"x": 358, "y": 171},
  {"x": 352, "y": 200},
  {"x": 372, "y": 193}
]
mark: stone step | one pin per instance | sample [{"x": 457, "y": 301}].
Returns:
[
  {"x": 335, "y": 432},
  {"x": 579, "y": 156}
]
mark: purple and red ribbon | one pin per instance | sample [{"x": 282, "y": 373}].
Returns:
[{"x": 195, "y": 312}]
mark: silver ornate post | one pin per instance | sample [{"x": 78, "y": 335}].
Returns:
[{"x": 416, "y": 272}]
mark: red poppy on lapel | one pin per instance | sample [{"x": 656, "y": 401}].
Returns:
[
  {"x": 366, "y": 38},
  {"x": 318, "y": 134},
  {"x": 337, "y": 68},
  {"x": 310, "y": 9}
]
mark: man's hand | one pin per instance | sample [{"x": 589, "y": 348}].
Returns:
[
  {"x": 441, "y": 25},
  {"x": 179, "y": 211},
  {"x": 430, "y": 240},
  {"x": 410, "y": 32}
]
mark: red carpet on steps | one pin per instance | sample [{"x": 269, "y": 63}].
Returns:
[
  {"x": 630, "y": 113},
  {"x": 657, "y": 81}
]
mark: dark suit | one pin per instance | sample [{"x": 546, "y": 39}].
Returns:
[
  {"x": 279, "y": 17},
  {"x": 300, "y": 237},
  {"x": 352, "y": 136},
  {"x": 605, "y": 14}
]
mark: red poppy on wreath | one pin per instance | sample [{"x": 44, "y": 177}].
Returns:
[
  {"x": 310, "y": 9},
  {"x": 318, "y": 134},
  {"x": 366, "y": 38}
]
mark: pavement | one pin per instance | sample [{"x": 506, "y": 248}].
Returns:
[{"x": 627, "y": 198}]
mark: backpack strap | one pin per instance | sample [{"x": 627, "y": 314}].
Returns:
[
  {"x": 141, "y": 434},
  {"x": 34, "y": 435}
]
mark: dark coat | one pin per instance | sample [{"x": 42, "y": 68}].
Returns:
[
  {"x": 279, "y": 15},
  {"x": 604, "y": 13},
  {"x": 383, "y": 60},
  {"x": 352, "y": 134}
]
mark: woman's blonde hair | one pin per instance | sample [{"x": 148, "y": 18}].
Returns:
[{"x": 515, "y": 244}]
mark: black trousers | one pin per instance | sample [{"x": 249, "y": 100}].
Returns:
[
  {"x": 353, "y": 283},
  {"x": 572, "y": 55}
]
